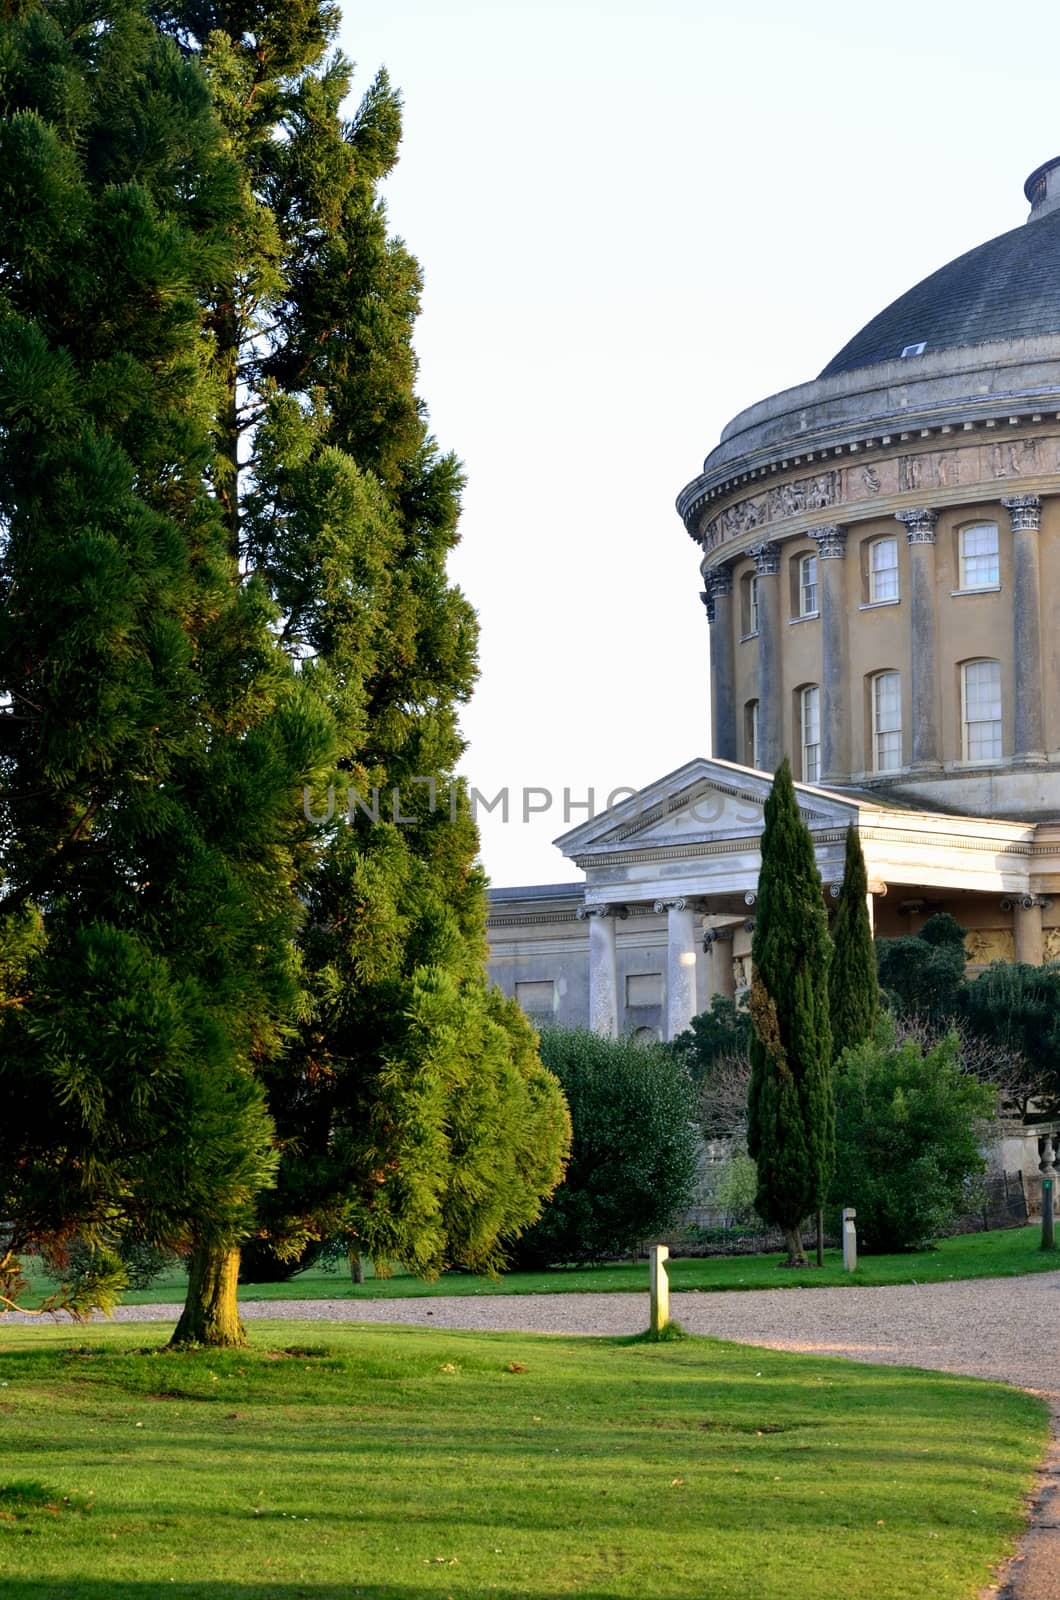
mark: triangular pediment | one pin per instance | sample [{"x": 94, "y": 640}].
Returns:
[{"x": 704, "y": 802}]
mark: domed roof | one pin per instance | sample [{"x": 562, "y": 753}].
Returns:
[{"x": 1008, "y": 288}]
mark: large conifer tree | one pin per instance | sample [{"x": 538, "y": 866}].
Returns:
[
  {"x": 152, "y": 731},
  {"x": 791, "y": 1114},
  {"x": 413, "y": 1113},
  {"x": 853, "y": 987}
]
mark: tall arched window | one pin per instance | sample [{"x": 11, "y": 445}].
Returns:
[
  {"x": 981, "y": 710},
  {"x": 883, "y": 570},
  {"x": 810, "y": 727},
  {"x": 978, "y": 555},
  {"x": 750, "y": 733},
  {"x": 886, "y": 698}
]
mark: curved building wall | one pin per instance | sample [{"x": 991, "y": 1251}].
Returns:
[{"x": 933, "y": 538}]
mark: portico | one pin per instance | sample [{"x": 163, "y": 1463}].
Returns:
[{"x": 665, "y": 916}]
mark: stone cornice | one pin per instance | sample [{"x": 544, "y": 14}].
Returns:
[
  {"x": 867, "y": 409},
  {"x": 531, "y": 919}
]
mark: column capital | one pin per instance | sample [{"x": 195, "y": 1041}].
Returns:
[
  {"x": 919, "y": 524},
  {"x": 713, "y": 936},
  {"x": 584, "y": 912},
  {"x": 766, "y": 559},
  {"x": 678, "y": 902},
  {"x": 1025, "y": 902},
  {"x": 1025, "y": 512},
  {"x": 707, "y": 597},
  {"x": 831, "y": 542},
  {"x": 719, "y": 580}
]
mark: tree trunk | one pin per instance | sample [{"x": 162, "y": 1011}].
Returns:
[
  {"x": 356, "y": 1261},
  {"x": 796, "y": 1254},
  {"x": 211, "y": 1311},
  {"x": 820, "y": 1238}
]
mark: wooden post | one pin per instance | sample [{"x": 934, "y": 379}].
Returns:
[
  {"x": 659, "y": 1287},
  {"x": 850, "y": 1240}
]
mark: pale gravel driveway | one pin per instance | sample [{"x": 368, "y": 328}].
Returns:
[{"x": 1004, "y": 1328}]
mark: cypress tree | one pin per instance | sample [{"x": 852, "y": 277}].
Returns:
[
  {"x": 152, "y": 731},
  {"x": 791, "y": 1115},
  {"x": 853, "y": 987}
]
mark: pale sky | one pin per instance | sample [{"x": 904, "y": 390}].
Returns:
[{"x": 632, "y": 224}]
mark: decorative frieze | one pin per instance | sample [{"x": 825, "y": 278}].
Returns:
[{"x": 970, "y": 467}]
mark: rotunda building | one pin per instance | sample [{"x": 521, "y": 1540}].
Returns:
[
  {"x": 880, "y": 569},
  {"x": 880, "y": 546}
]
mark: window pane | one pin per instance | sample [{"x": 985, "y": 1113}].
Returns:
[
  {"x": 754, "y": 605},
  {"x": 887, "y": 721},
  {"x": 979, "y": 557},
  {"x": 982, "y": 711},
  {"x": 883, "y": 569},
  {"x": 807, "y": 586},
  {"x": 811, "y": 735}
]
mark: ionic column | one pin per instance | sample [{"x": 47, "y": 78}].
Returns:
[
  {"x": 603, "y": 968},
  {"x": 835, "y": 691},
  {"x": 920, "y": 532},
  {"x": 718, "y": 941},
  {"x": 1025, "y": 515},
  {"x": 770, "y": 721},
  {"x": 717, "y": 597},
  {"x": 1027, "y": 928},
  {"x": 680, "y": 964}
]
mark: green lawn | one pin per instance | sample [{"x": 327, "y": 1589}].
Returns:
[
  {"x": 977, "y": 1255},
  {"x": 333, "y": 1461}
]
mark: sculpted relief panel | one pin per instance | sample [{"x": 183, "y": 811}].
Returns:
[{"x": 958, "y": 466}]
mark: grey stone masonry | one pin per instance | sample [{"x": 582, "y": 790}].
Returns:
[
  {"x": 770, "y": 724},
  {"x": 719, "y": 602},
  {"x": 920, "y": 532},
  {"x": 1025, "y": 515},
  {"x": 835, "y": 689}
]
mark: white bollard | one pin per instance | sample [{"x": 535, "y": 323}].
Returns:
[
  {"x": 660, "y": 1287},
  {"x": 850, "y": 1240}
]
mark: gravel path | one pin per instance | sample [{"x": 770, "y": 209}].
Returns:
[{"x": 1002, "y": 1328}]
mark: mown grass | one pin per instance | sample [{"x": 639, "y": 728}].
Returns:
[
  {"x": 1000, "y": 1254},
  {"x": 341, "y": 1461}
]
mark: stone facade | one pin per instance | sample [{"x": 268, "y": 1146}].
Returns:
[{"x": 879, "y": 548}]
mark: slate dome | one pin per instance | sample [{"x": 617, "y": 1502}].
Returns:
[{"x": 1008, "y": 288}]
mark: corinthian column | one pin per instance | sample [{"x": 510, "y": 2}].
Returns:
[
  {"x": 717, "y": 597},
  {"x": 1025, "y": 515},
  {"x": 680, "y": 964},
  {"x": 835, "y": 691},
  {"x": 770, "y": 723},
  {"x": 920, "y": 532},
  {"x": 603, "y": 971}
]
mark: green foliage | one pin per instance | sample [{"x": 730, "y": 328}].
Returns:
[
  {"x": 923, "y": 974},
  {"x": 853, "y": 987},
  {"x": 908, "y": 1129},
  {"x": 791, "y": 1117},
  {"x": 152, "y": 732},
  {"x": 1016, "y": 1009},
  {"x": 724, "y": 1030},
  {"x": 413, "y": 1116},
  {"x": 733, "y": 1186},
  {"x": 634, "y": 1154}
]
